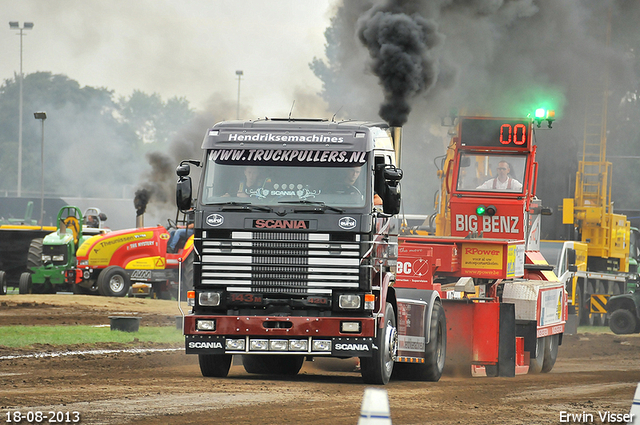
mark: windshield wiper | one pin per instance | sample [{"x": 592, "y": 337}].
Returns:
[
  {"x": 323, "y": 206},
  {"x": 242, "y": 206}
]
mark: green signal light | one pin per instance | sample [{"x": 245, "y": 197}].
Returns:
[
  {"x": 490, "y": 210},
  {"x": 541, "y": 113}
]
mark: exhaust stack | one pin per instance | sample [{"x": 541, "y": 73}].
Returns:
[
  {"x": 396, "y": 136},
  {"x": 139, "y": 221}
]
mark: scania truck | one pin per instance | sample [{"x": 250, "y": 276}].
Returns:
[
  {"x": 294, "y": 258},
  {"x": 298, "y": 254}
]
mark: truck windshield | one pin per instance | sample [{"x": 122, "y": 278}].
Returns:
[
  {"x": 341, "y": 186},
  {"x": 490, "y": 172}
]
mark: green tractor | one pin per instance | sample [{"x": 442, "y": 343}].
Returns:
[{"x": 51, "y": 257}]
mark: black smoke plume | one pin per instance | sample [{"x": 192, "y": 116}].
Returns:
[
  {"x": 402, "y": 49},
  {"x": 141, "y": 200}
]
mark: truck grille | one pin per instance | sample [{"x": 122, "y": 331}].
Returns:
[{"x": 274, "y": 262}]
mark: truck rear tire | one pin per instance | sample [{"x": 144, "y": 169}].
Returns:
[
  {"x": 536, "y": 360},
  {"x": 215, "y": 365},
  {"x": 24, "y": 286},
  {"x": 272, "y": 365},
  {"x": 3, "y": 282},
  {"x": 113, "y": 282},
  {"x": 377, "y": 369},
  {"x": 622, "y": 322},
  {"x": 434, "y": 353},
  {"x": 550, "y": 352}
]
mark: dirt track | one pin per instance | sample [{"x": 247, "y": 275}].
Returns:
[{"x": 594, "y": 373}]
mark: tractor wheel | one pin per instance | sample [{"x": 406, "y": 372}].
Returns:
[
  {"x": 24, "y": 287},
  {"x": 113, "y": 282},
  {"x": 214, "y": 365},
  {"x": 622, "y": 322},
  {"x": 378, "y": 368},
  {"x": 550, "y": 352},
  {"x": 34, "y": 258},
  {"x": 3, "y": 283},
  {"x": 536, "y": 360}
]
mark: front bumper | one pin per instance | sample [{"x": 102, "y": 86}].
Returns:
[{"x": 312, "y": 336}]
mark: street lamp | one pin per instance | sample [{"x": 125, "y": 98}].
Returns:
[
  {"x": 15, "y": 25},
  {"x": 41, "y": 116},
  {"x": 239, "y": 74}
]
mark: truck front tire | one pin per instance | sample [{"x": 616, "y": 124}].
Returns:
[
  {"x": 378, "y": 368},
  {"x": 214, "y": 365}
]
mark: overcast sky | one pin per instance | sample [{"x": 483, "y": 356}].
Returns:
[{"x": 190, "y": 48}]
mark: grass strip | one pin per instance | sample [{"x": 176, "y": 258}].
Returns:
[{"x": 26, "y": 336}]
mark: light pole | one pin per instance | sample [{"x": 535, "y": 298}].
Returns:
[
  {"x": 41, "y": 116},
  {"x": 239, "y": 73},
  {"x": 15, "y": 25}
]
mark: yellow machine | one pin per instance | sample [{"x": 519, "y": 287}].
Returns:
[{"x": 608, "y": 237}]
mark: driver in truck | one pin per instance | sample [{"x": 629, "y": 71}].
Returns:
[
  {"x": 347, "y": 184},
  {"x": 503, "y": 180},
  {"x": 253, "y": 181}
]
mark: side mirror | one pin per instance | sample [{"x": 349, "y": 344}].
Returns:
[
  {"x": 392, "y": 174},
  {"x": 183, "y": 170},
  {"x": 183, "y": 192},
  {"x": 391, "y": 200}
]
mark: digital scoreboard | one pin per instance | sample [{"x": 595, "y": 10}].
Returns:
[{"x": 495, "y": 132}]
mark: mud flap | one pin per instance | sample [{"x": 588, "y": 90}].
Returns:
[{"x": 507, "y": 341}]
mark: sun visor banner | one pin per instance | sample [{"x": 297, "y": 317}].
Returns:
[{"x": 288, "y": 157}]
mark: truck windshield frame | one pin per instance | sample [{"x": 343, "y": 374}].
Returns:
[{"x": 243, "y": 178}]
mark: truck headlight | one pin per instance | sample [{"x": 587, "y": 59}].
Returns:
[
  {"x": 278, "y": 345},
  {"x": 209, "y": 299},
  {"x": 58, "y": 257},
  {"x": 259, "y": 345},
  {"x": 321, "y": 345},
  {"x": 206, "y": 325},
  {"x": 350, "y": 327},
  {"x": 349, "y": 301},
  {"x": 235, "y": 344},
  {"x": 46, "y": 258},
  {"x": 298, "y": 344}
]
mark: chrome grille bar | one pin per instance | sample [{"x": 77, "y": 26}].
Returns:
[{"x": 281, "y": 262}]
